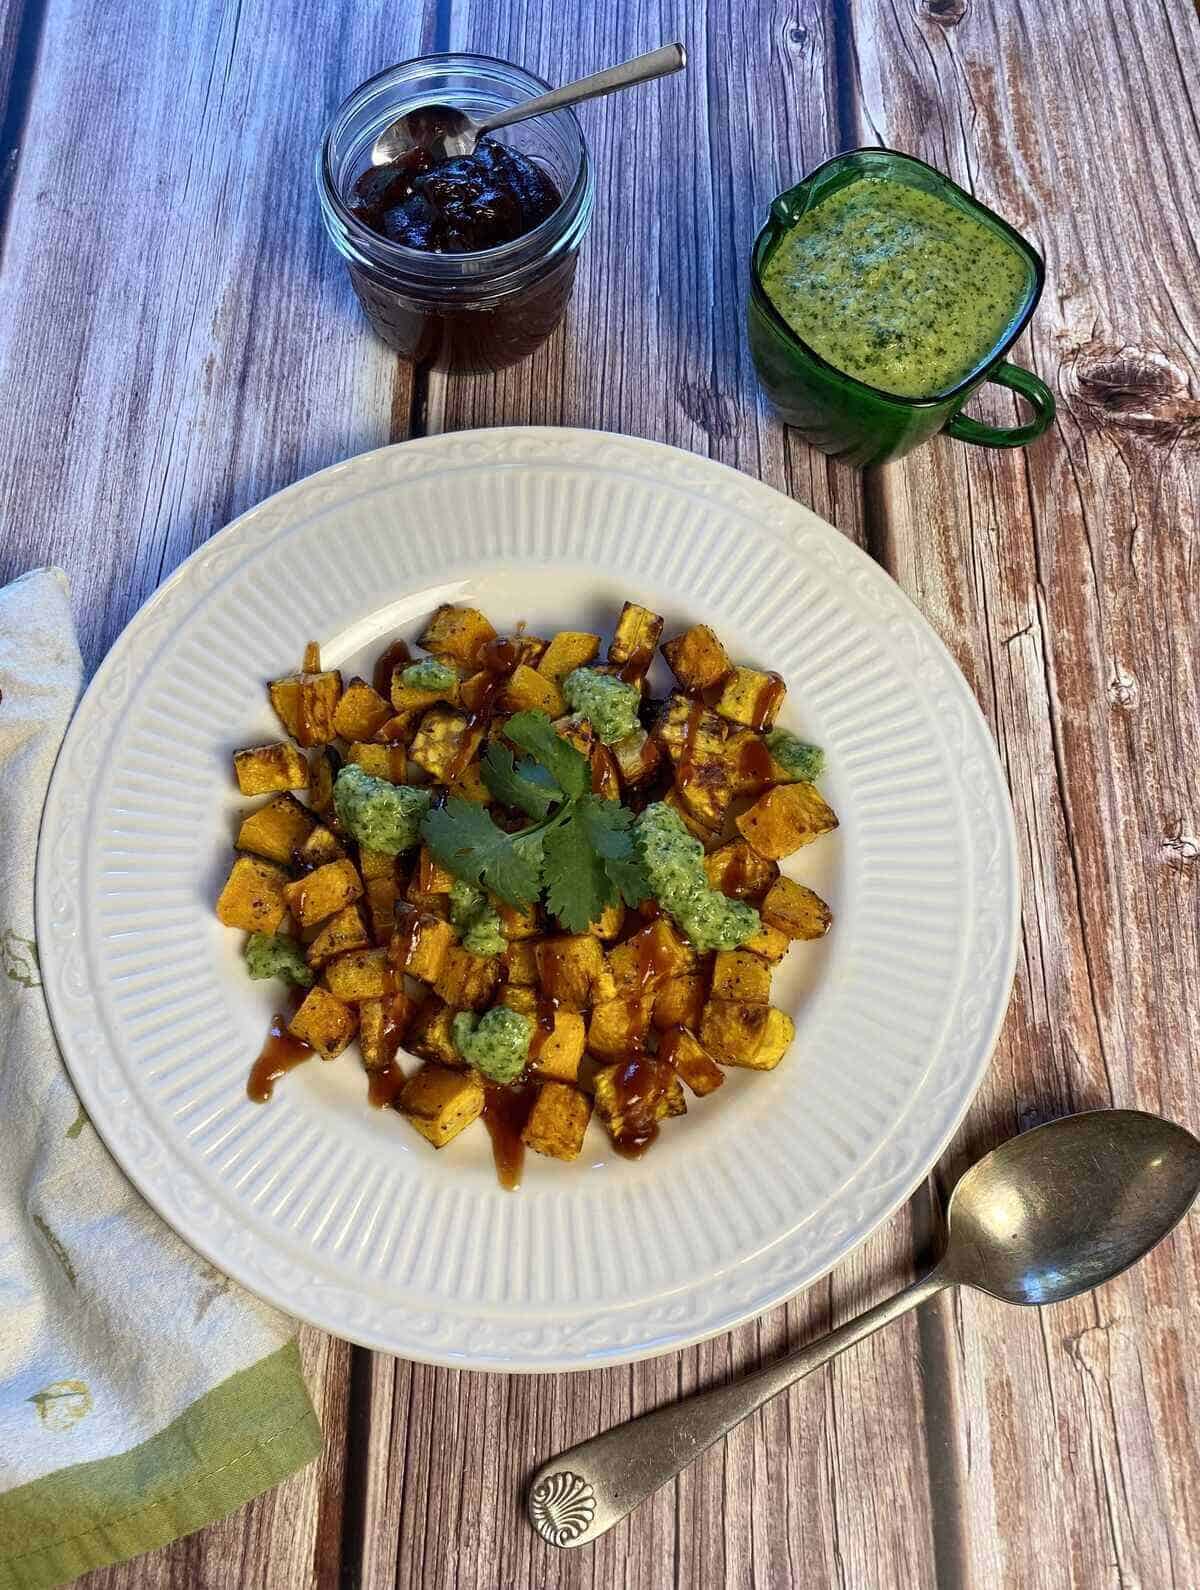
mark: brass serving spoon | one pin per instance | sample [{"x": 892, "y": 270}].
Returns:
[
  {"x": 447, "y": 133},
  {"x": 1042, "y": 1218}
]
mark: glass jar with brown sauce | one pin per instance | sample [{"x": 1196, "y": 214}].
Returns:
[{"x": 445, "y": 302}]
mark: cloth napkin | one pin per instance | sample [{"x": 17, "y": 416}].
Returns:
[{"x": 142, "y": 1394}]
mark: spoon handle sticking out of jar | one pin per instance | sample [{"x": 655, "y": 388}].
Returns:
[{"x": 642, "y": 69}]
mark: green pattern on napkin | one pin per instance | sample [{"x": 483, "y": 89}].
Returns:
[{"x": 239, "y": 1439}]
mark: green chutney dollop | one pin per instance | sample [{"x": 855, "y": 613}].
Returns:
[
  {"x": 896, "y": 286},
  {"x": 674, "y": 863},
  {"x": 496, "y": 1043}
]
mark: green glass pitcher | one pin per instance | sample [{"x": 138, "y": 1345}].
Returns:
[{"x": 845, "y": 416}]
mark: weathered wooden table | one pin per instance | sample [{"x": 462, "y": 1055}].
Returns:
[{"x": 178, "y": 340}]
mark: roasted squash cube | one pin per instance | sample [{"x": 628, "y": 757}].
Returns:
[
  {"x": 376, "y": 864},
  {"x": 321, "y": 847},
  {"x": 569, "y": 967},
  {"x": 768, "y": 942},
  {"x": 319, "y": 894},
  {"x": 682, "y": 1049},
  {"x": 361, "y": 712},
  {"x": 752, "y": 697},
  {"x": 381, "y": 761},
  {"x": 306, "y": 703},
  {"x": 398, "y": 729},
  {"x": 420, "y": 943},
  {"x": 777, "y": 1034},
  {"x": 738, "y": 871},
  {"x": 431, "y": 877},
  {"x": 698, "y": 659},
  {"x": 445, "y": 741},
  {"x": 528, "y": 690},
  {"x": 467, "y": 981},
  {"x": 254, "y": 897},
  {"x": 324, "y": 1023},
  {"x": 323, "y": 766},
  {"x": 441, "y": 1103},
  {"x": 557, "y": 1053},
  {"x": 739, "y": 975},
  {"x": 635, "y": 638},
  {"x": 577, "y": 732},
  {"x": 609, "y": 923},
  {"x": 409, "y": 700},
  {"x": 457, "y": 633},
  {"x": 786, "y": 818},
  {"x": 708, "y": 837},
  {"x": 660, "y": 1095},
  {"x": 732, "y": 1032},
  {"x": 522, "y": 997},
  {"x": 263, "y": 769},
  {"x": 275, "y": 830},
  {"x": 517, "y": 922},
  {"x": 359, "y": 975},
  {"x": 431, "y": 1033},
  {"x": 521, "y": 956},
  {"x": 344, "y": 931},
  {"x": 558, "y": 1121},
  {"x": 795, "y": 910},
  {"x": 679, "y": 1001},
  {"x": 382, "y": 895},
  {"x": 654, "y": 954},
  {"x": 637, "y": 757},
  {"x": 696, "y": 741},
  {"x": 471, "y": 786},
  {"x": 618, "y": 1027},
  {"x": 382, "y": 1024},
  {"x": 568, "y": 650}
]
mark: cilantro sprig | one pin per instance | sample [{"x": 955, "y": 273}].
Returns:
[{"x": 580, "y": 848}]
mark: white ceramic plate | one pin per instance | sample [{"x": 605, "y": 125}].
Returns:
[{"x": 341, "y": 1214}]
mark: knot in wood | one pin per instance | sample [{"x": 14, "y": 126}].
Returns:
[
  {"x": 1138, "y": 389},
  {"x": 1123, "y": 688},
  {"x": 1180, "y": 850},
  {"x": 711, "y": 410},
  {"x": 946, "y": 13}
]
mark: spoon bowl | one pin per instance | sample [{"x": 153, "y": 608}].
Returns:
[{"x": 1067, "y": 1206}]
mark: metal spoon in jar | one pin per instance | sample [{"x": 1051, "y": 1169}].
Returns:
[
  {"x": 1042, "y": 1218},
  {"x": 446, "y": 132}
]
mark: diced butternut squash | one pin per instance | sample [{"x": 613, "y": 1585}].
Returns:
[
  {"x": 680, "y": 1000},
  {"x": 420, "y": 943},
  {"x": 467, "y": 981},
  {"x": 457, "y": 633},
  {"x": 253, "y": 898},
  {"x": 431, "y": 1033},
  {"x": 698, "y": 659},
  {"x": 324, "y": 1022},
  {"x": 691, "y": 1060},
  {"x": 263, "y": 769},
  {"x": 306, "y": 704},
  {"x": 558, "y": 1053},
  {"x": 359, "y": 975},
  {"x": 731, "y": 1032},
  {"x": 768, "y": 942},
  {"x": 528, "y": 690},
  {"x": 776, "y": 1039},
  {"x": 650, "y": 958},
  {"x": 382, "y": 1024},
  {"x": 740, "y": 872},
  {"x": 637, "y": 757},
  {"x": 618, "y": 1028},
  {"x": 441, "y": 1103},
  {"x": 739, "y": 975},
  {"x": 344, "y": 931},
  {"x": 471, "y": 786},
  {"x": 521, "y": 957},
  {"x": 381, "y": 761},
  {"x": 558, "y": 1121},
  {"x": 660, "y": 1095},
  {"x": 431, "y": 876},
  {"x": 277, "y": 829},
  {"x": 568, "y": 650},
  {"x": 795, "y": 910},
  {"x": 319, "y": 894},
  {"x": 609, "y": 923},
  {"x": 361, "y": 712},
  {"x": 321, "y": 846},
  {"x": 635, "y": 638},
  {"x": 786, "y": 818},
  {"x": 752, "y": 697},
  {"x": 570, "y": 965},
  {"x": 375, "y": 864},
  {"x": 445, "y": 742}
]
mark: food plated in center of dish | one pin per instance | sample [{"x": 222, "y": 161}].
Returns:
[{"x": 558, "y": 894}]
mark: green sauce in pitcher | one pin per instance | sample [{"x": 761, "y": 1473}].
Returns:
[{"x": 897, "y": 287}]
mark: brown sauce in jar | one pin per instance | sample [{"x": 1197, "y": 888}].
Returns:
[
  {"x": 280, "y": 1054},
  {"x": 505, "y": 1113}
]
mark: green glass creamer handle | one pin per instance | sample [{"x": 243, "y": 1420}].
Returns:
[{"x": 1027, "y": 385}]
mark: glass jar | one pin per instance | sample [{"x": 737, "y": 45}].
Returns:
[{"x": 475, "y": 311}]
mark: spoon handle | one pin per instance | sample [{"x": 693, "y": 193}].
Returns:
[
  {"x": 658, "y": 63},
  {"x": 582, "y": 1493}
]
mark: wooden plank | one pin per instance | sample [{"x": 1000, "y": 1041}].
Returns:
[
  {"x": 185, "y": 342},
  {"x": 1064, "y": 580},
  {"x": 654, "y": 346},
  {"x": 172, "y": 313}
]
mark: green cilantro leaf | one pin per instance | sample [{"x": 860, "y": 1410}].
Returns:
[
  {"x": 569, "y": 768},
  {"x": 577, "y": 883},
  {"x": 609, "y": 829},
  {"x": 525, "y": 785},
  {"x": 463, "y": 837}
]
